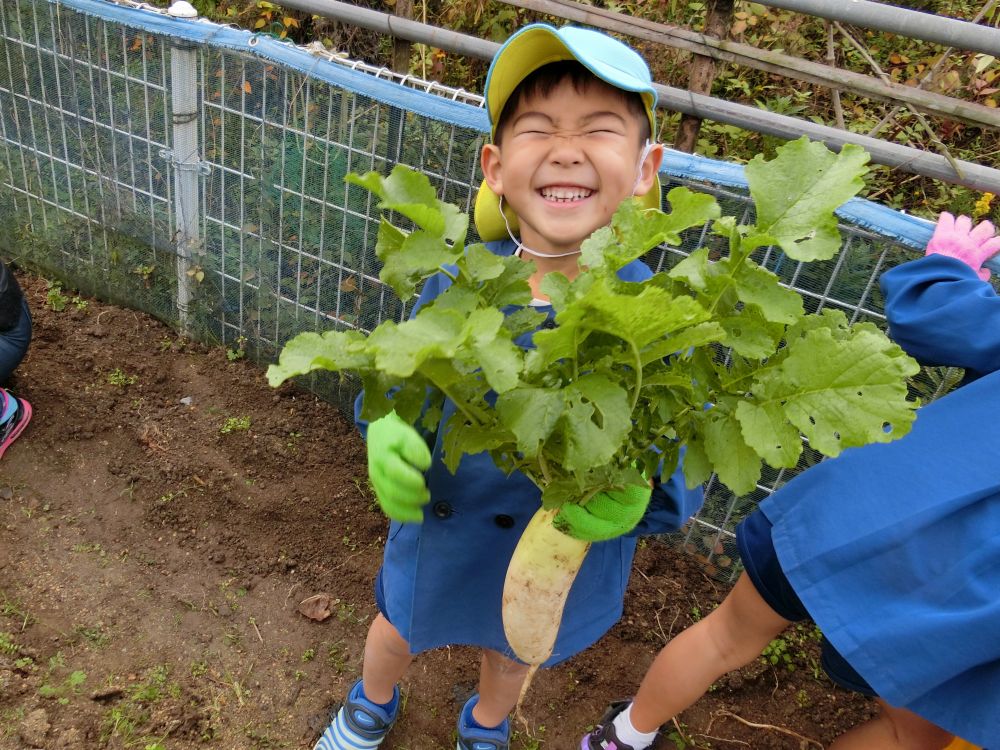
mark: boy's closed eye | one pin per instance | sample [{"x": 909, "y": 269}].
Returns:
[
  {"x": 607, "y": 122},
  {"x": 553, "y": 133},
  {"x": 540, "y": 124}
]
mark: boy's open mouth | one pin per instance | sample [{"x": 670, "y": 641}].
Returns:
[{"x": 565, "y": 193}]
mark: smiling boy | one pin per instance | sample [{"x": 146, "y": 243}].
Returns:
[
  {"x": 572, "y": 117},
  {"x": 570, "y": 142}
]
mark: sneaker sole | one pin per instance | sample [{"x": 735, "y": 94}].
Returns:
[{"x": 25, "y": 418}]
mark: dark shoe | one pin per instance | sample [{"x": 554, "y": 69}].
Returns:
[{"x": 603, "y": 736}]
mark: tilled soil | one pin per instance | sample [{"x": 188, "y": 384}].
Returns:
[{"x": 165, "y": 513}]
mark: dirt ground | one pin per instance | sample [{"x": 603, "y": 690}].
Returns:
[{"x": 165, "y": 513}]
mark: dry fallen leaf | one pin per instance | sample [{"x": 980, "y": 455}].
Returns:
[{"x": 318, "y": 606}]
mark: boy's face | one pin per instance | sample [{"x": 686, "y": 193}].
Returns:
[{"x": 566, "y": 161}]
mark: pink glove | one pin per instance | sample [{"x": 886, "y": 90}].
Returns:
[{"x": 958, "y": 239}]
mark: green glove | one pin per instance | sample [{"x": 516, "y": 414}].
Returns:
[
  {"x": 605, "y": 516},
  {"x": 397, "y": 458}
]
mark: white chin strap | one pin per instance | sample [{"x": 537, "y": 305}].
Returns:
[
  {"x": 638, "y": 167},
  {"x": 521, "y": 248},
  {"x": 524, "y": 248}
]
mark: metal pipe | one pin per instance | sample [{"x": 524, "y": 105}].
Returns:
[
  {"x": 908, "y": 159},
  {"x": 403, "y": 28},
  {"x": 914, "y": 24}
]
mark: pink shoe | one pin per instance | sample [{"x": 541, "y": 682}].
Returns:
[{"x": 14, "y": 426}]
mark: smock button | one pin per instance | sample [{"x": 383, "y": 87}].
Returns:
[
  {"x": 504, "y": 521},
  {"x": 442, "y": 509}
]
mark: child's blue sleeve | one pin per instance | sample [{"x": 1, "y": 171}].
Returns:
[{"x": 942, "y": 313}]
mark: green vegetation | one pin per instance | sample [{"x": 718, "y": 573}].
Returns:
[
  {"x": 125, "y": 720},
  {"x": 623, "y": 378},
  {"x": 15, "y": 610},
  {"x": 96, "y": 635},
  {"x": 235, "y": 424},
  {"x": 61, "y": 687},
  {"x": 118, "y": 377},
  {"x": 7, "y": 644},
  {"x": 239, "y": 351},
  {"x": 796, "y": 648},
  {"x": 55, "y": 299}
]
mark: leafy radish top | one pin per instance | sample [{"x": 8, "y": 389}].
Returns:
[{"x": 716, "y": 356}]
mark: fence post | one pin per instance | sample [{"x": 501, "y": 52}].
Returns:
[
  {"x": 702, "y": 73},
  {"x": 400, "y": 64},
  {"x": 185, "y": 158},
  {"x": 401, "y": 47}
]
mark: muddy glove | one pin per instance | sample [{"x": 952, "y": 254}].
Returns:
[
  {"x": 397, "y": 459},
  {"x": 606, "y": 515},
  {"x": 957, "y": 238}
]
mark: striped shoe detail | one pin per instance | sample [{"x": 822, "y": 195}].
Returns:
[
  {"x": 339, "y": 736},
  {"x": 359, "y": 724}
]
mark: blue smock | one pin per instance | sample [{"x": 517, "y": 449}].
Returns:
[
  {"x": 442, "y": 580},
  {"x": 894, "y": 549}
]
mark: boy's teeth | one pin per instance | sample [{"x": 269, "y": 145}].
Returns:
[{"x": 565, "y": 194}]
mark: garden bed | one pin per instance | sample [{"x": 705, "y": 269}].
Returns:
[{"x": 165, "y": 513}]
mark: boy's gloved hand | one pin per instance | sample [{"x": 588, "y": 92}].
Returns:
[
  {"x": 606, "y": 515},
  {"x": 957, "y": 238},
  {"x": 397, "y": 458}
]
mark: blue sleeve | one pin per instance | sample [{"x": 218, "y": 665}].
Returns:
[
  {"x": 942, "y": 313},
  {"x": 635, "y": 271},
  {"x": 431, "y": 289}
]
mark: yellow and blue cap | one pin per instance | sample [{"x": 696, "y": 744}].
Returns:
[{"x": 540, "y": 44}]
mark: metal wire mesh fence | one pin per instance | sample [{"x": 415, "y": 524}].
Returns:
[{"x": 222, "y": 207}]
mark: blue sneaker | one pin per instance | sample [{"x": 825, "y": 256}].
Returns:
[
  {"x": 476, "y": 738},
  {"x": 359, "y": 724}
]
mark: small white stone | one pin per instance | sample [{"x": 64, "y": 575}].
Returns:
[{"x": 182, "y": 9}]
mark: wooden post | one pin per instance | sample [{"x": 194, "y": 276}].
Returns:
[
  {"x": 401, "y": 47},
  {"x": 400, "y": 64},
  {"x": 702, "y": 73}
]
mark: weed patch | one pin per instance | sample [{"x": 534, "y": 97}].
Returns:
[
  {"x": 235, "y": 424},
  {"x": 126, "y": 720}
]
